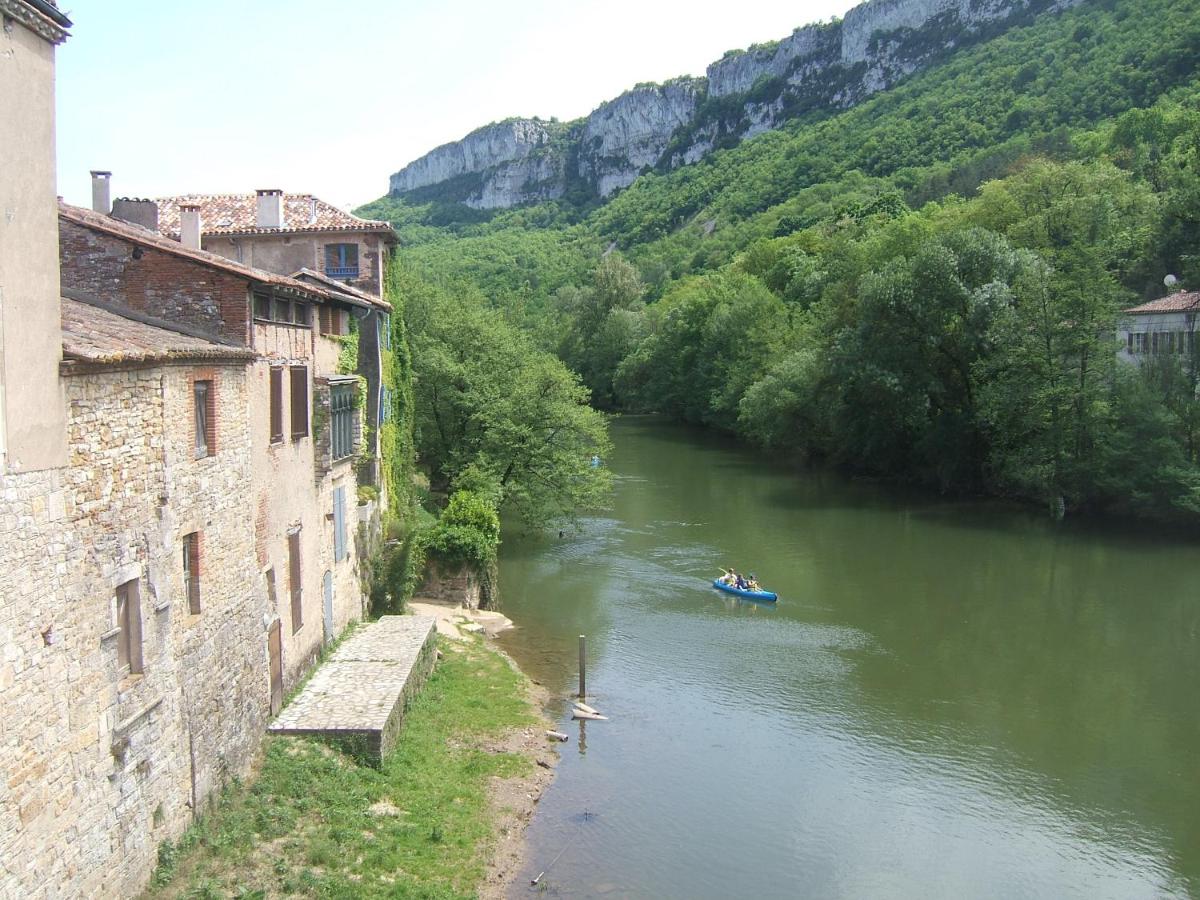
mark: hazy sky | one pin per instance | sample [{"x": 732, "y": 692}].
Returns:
[{"x": 329, "y": 98}]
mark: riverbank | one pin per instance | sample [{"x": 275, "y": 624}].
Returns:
[{"x": 443, "y": 816}]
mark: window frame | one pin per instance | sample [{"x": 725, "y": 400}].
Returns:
[
  {"x": 342, "y": 397},
  {"x": 276, "y": 405},
  {"x": 204, "y": 415},
  {"x": 129, "y": 628},
  {"x": 191, "y": 571},
  {"x": 340, "y": 538},
  {"x": 295, "y": 580},
  {"x": 299, "y": 394}
]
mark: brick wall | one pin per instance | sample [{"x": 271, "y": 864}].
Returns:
[{"x": 153, "y": 281}]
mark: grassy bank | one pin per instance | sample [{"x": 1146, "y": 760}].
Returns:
[{"x": 314, "y": 823}]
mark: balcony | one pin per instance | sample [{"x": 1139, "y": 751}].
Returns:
[{"x": 341, "y": 271}]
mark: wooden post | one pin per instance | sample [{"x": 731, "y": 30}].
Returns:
[{"x": 583, "y": 667}]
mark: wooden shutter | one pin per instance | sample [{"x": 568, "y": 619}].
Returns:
[
  {"x": 339, "y": 523},
  {"x": 299, "y": 402},
  {"x": 294, "y": 580},
  {"x": 323, "y": 318},
  {"x": 276, "y": 405},
  {"x": 191, "y": 571}
]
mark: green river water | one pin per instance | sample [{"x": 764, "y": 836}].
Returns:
[{"x": 951, "y": 699}]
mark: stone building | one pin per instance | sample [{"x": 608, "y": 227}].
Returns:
[
  {"x": 305, "y": 411},
  {"x": 179, "y": 435},
  {"x": 305, "y": 237},
  {"x": 133, "y": 682}
]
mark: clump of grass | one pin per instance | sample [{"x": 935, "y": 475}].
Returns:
[{"x": 315, "y": 822}]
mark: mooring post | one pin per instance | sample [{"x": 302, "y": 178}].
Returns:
[{"x": 583, "y": 667}]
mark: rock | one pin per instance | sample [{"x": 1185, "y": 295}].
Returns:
[
  {"x": 833, "y": 64},
  {"x": 625, "y": 135}
]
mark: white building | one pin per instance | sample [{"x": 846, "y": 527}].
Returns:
[{"x": 1161, "y": 327}]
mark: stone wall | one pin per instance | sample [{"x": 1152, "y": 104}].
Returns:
[
  {"x": 451, "y": 584},
  {"x": 101, "y": 764}
]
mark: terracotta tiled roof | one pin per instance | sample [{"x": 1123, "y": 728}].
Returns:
[
  {"x": 352, "y": 293},
  {"x": 238, "y": 214},
  {"x": 100, "y": 222},
  {"x": 1184, "y": 301},
  {"x": 102, "y": 334}
]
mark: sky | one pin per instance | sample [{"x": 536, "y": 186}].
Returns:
[{"x": 228, "y": 96}]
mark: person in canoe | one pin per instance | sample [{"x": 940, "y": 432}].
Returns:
[{"x": 733, "y": 579}]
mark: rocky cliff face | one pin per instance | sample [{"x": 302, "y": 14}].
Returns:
[
  {"x": 628, "y": 134},
  {"x": 491, "y": 165},
  {"x": 835, "y": 64}
]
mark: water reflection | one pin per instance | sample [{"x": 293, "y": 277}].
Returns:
[{"x": 951, "y": 700}]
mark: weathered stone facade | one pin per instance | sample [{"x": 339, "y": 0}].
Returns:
[
  {"x": 101, "y": 763},
  {"x": 145, "y": 506}
]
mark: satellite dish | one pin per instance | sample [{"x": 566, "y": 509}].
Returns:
[{"x": 1170, "y": 281}]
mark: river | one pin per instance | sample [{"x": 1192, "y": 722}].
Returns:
[{"x": 951, "y": 699}]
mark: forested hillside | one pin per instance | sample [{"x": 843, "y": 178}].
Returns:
[{"x": 924, "y": 287}]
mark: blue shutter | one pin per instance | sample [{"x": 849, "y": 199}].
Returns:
[{"x": 339, "y": 523}]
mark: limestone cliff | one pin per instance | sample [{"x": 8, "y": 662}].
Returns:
[
  {"x": 503, "y": 164},
  {"x": 626, "y": 135},
  {"x": 826, "y": 65}
]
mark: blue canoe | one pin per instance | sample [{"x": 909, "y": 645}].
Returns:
[{"x": 766, "y": 596}]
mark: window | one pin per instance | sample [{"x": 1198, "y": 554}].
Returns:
[
  {"x": 129, "y": 621},
  {"x": 385, "y": 404},
  {"x": 262, "y": 305},
  {"x": 299, "y": 402},
  {"x": 294, "y": 580},
  {"x": 332, "y": 321},
  {"x": 341, "y": 260},
  {"x": 339, "y": 523},
  {"x": 276, "y": 405},
  {"x": 191, "y": 571},
  {"x": 204, "y": 404},
  {"x": 341, "y": 419},
  {"x": 270, "y": 307}
]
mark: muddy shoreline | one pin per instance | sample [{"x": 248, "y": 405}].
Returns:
[{"x": 513, "y": 800}]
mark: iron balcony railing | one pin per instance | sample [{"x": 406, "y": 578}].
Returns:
[{"x": 341, "y": 271}]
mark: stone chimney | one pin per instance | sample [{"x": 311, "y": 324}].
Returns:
[
  {"x": 189, "y": 225},
  {"x": 137, "y": 212},
  {"x": 270, "y": 208},
  {"x": 100, "y": 189}
]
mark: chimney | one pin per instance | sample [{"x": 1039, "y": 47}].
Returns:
[
  {"x": 270, "y": 208},
  {"x": 100, "y": 190},
  {"x": 189, "y": 225},
  {"x": 136, "y": 212}
]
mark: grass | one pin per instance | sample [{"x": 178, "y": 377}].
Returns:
[{"x": 316, "y": 824}]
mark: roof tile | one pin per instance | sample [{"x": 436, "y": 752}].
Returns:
[
  {"x": 101, "y": 335},
  {"x": 1183, "y": 301},
  {"x": 238, "y": 214}
]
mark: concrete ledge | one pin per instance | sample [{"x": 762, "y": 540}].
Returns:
[{"x": 358, "y": 698}]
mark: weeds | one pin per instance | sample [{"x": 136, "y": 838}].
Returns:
[{"x": 316, "y": 823}]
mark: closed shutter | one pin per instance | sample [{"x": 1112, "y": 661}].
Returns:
[
  {"x": 339, "y": 523},
  {"x": 276, "y": 405},
  {"x": 299, "y": 402},
  {"x": 294, "y": 580},
  {"x": 323, "y": 318}
]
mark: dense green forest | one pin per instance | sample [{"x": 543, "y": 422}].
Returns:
[{"x": 924, "y": 287}]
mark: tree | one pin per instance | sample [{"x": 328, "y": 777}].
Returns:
[{"x": 489, "y": 402}]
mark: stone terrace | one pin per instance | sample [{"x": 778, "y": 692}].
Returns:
[{"x": 359, "y": 696}]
